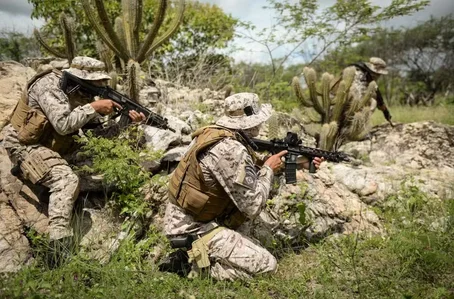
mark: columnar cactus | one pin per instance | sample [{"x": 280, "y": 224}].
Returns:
[
  {"x": 342, "y": 115},
  {"x": 124, "y": 40},
  {"x": 68, "y": 27}
]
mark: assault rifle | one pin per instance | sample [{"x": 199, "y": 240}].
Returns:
[
  {"x": 70, "y": 83},
  {"x": 292, "y": 144}
]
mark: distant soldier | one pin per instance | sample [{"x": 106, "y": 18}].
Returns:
[
  {"x": 216, "y": 187},
  {"x": 40, "y": 135},
  {"x": 366, "y": 73}
]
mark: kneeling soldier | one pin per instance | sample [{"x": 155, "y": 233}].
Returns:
[{"x": 216, "y": 188}]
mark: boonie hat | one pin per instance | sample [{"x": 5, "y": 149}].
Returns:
[
  {"x": 88, "y": 68},
  {"x": 377, "y": 65},
  {"x": 242, "y": 111}
]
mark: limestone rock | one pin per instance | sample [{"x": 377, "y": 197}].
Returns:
[
  {"x": 178, "y": 125},
  {"x": 13, "y": 77},
  {"x": 14, "y": 248},
  {"x": 100, "y": 233},
  {"x": 174, "y": 154},
  {"x": 159, "y": 139}
]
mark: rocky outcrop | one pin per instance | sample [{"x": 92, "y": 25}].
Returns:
[{"x": 13, "y": 77}]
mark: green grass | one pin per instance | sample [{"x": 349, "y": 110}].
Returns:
[
  {"x": 413, "y": 259},
  {"x": 405, "y": 114}
]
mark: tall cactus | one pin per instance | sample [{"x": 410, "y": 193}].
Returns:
[
  {"x": 67, "y": 26},
  {"x": 123, "y": 38},
  {"x": 343, "y": 115}
]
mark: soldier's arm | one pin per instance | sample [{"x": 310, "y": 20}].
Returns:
[
  {"x": 233, "y": 168},
  {"x": 55, "y": 104}
]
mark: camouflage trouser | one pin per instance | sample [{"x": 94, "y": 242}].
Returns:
[
  {"x": 236, "y": 256},
  {"x": 63, "y": 186}
]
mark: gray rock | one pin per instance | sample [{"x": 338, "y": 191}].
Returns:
[
  {"x": 175, "y": 154},
  {"x": 178, "y": 125},
  {"x": 158, "y": 139}
]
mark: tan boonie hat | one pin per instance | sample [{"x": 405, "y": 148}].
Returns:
[
  {"x": 242, "y": 111},
  {"x": 88, "y": 68},
  {"x": 377, "y": 65}
]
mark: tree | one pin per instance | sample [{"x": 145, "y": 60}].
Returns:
[
  {"x": 421, "y": 59},
  {"x": 310, "y": 31},
  {"x": 16, "y": 46},
  {"x": 204, "y": 26}
]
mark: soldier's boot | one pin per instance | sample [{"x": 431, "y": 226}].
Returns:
[{"x": 176, "y": 262}]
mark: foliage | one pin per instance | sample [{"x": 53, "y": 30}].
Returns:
[
  {"x": 16, "y": 46},
  {"x": 420, "y": 60},
  {"x": 305, "y": 24},
  {"x": 118, "y": 160},
  {"x": 442, "y": 114},
  {"x": 413, "y": 259},
  {"x": 204, "y": 26}
]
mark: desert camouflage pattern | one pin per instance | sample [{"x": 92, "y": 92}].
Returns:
[
  {"x": 88, "y": 68},
  {"x": 377, "y": 65},
  {"x": 66, "y": 118},
  {"x": 234, "y": 255},
  {"x": 235, "y": 117},
  {"x": 359, "y": 88}
]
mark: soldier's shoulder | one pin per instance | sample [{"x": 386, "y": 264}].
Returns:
[
  {"x": 45, "y": 81},
  {"x": 229, "y": 146}
]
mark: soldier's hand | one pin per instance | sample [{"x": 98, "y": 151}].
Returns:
[
  {"x": 105, "y": 106},
  {"x": 136, "y": 117},
  {"x": 275, "y": 162},
  {"x": 317, "y": 161}
]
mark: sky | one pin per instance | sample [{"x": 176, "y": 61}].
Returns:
[{"x": 15, "y": 15}]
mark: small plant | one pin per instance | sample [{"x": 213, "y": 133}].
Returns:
[{"x": 119, "y": 163}]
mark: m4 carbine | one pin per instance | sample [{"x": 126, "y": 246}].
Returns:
[
  {"x": 70, "y": 83},
  {"x": 292, "y": 144}
]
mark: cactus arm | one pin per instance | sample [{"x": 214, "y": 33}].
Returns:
[
  {"x": 299, "y": 93},
  {"x": 328, "y": 135},
  {"x": 99, "y": 30},
  {"x": 132, "y": 16},
  {"x": 67, "y": 27},
  {"x": 371, "y": 89},
  {"x": 132, "y": 85},
  {"x": 157, "y": 22},
  {"x": 46, "y": 46},
  {"x": 326, "y": 79},
  {"x": 273, "y": 126},
  {"x": 310, "y": 76},
  {"x": 104, "y": 19},
  {"x": 173, "y": 28},
  {"x": 341, "y": 97}
]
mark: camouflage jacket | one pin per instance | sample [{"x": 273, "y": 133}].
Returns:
[
  {"x": 227, "y": 163},
  {"x": 66, "y": 116},
  {"x": 359, "y": 85}
]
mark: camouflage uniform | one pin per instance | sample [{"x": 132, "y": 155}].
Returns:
[
  {"x": 229, "y": 164},
  {"x": 66, "y": 118},
  {"x": 361, "y": 81}
]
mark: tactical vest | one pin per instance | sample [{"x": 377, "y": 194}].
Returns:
[
  {"x": 187, "y": 186},
  {"x": 32, "y": 125}
]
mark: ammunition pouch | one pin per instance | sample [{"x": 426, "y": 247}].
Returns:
[
  {"x": 31, "y": 125},
  {"x": 39, "y": 163},
  {"x": 199, "y": 251}
]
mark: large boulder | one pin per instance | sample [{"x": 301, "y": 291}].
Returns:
[{"x": 13, "y": 77}]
